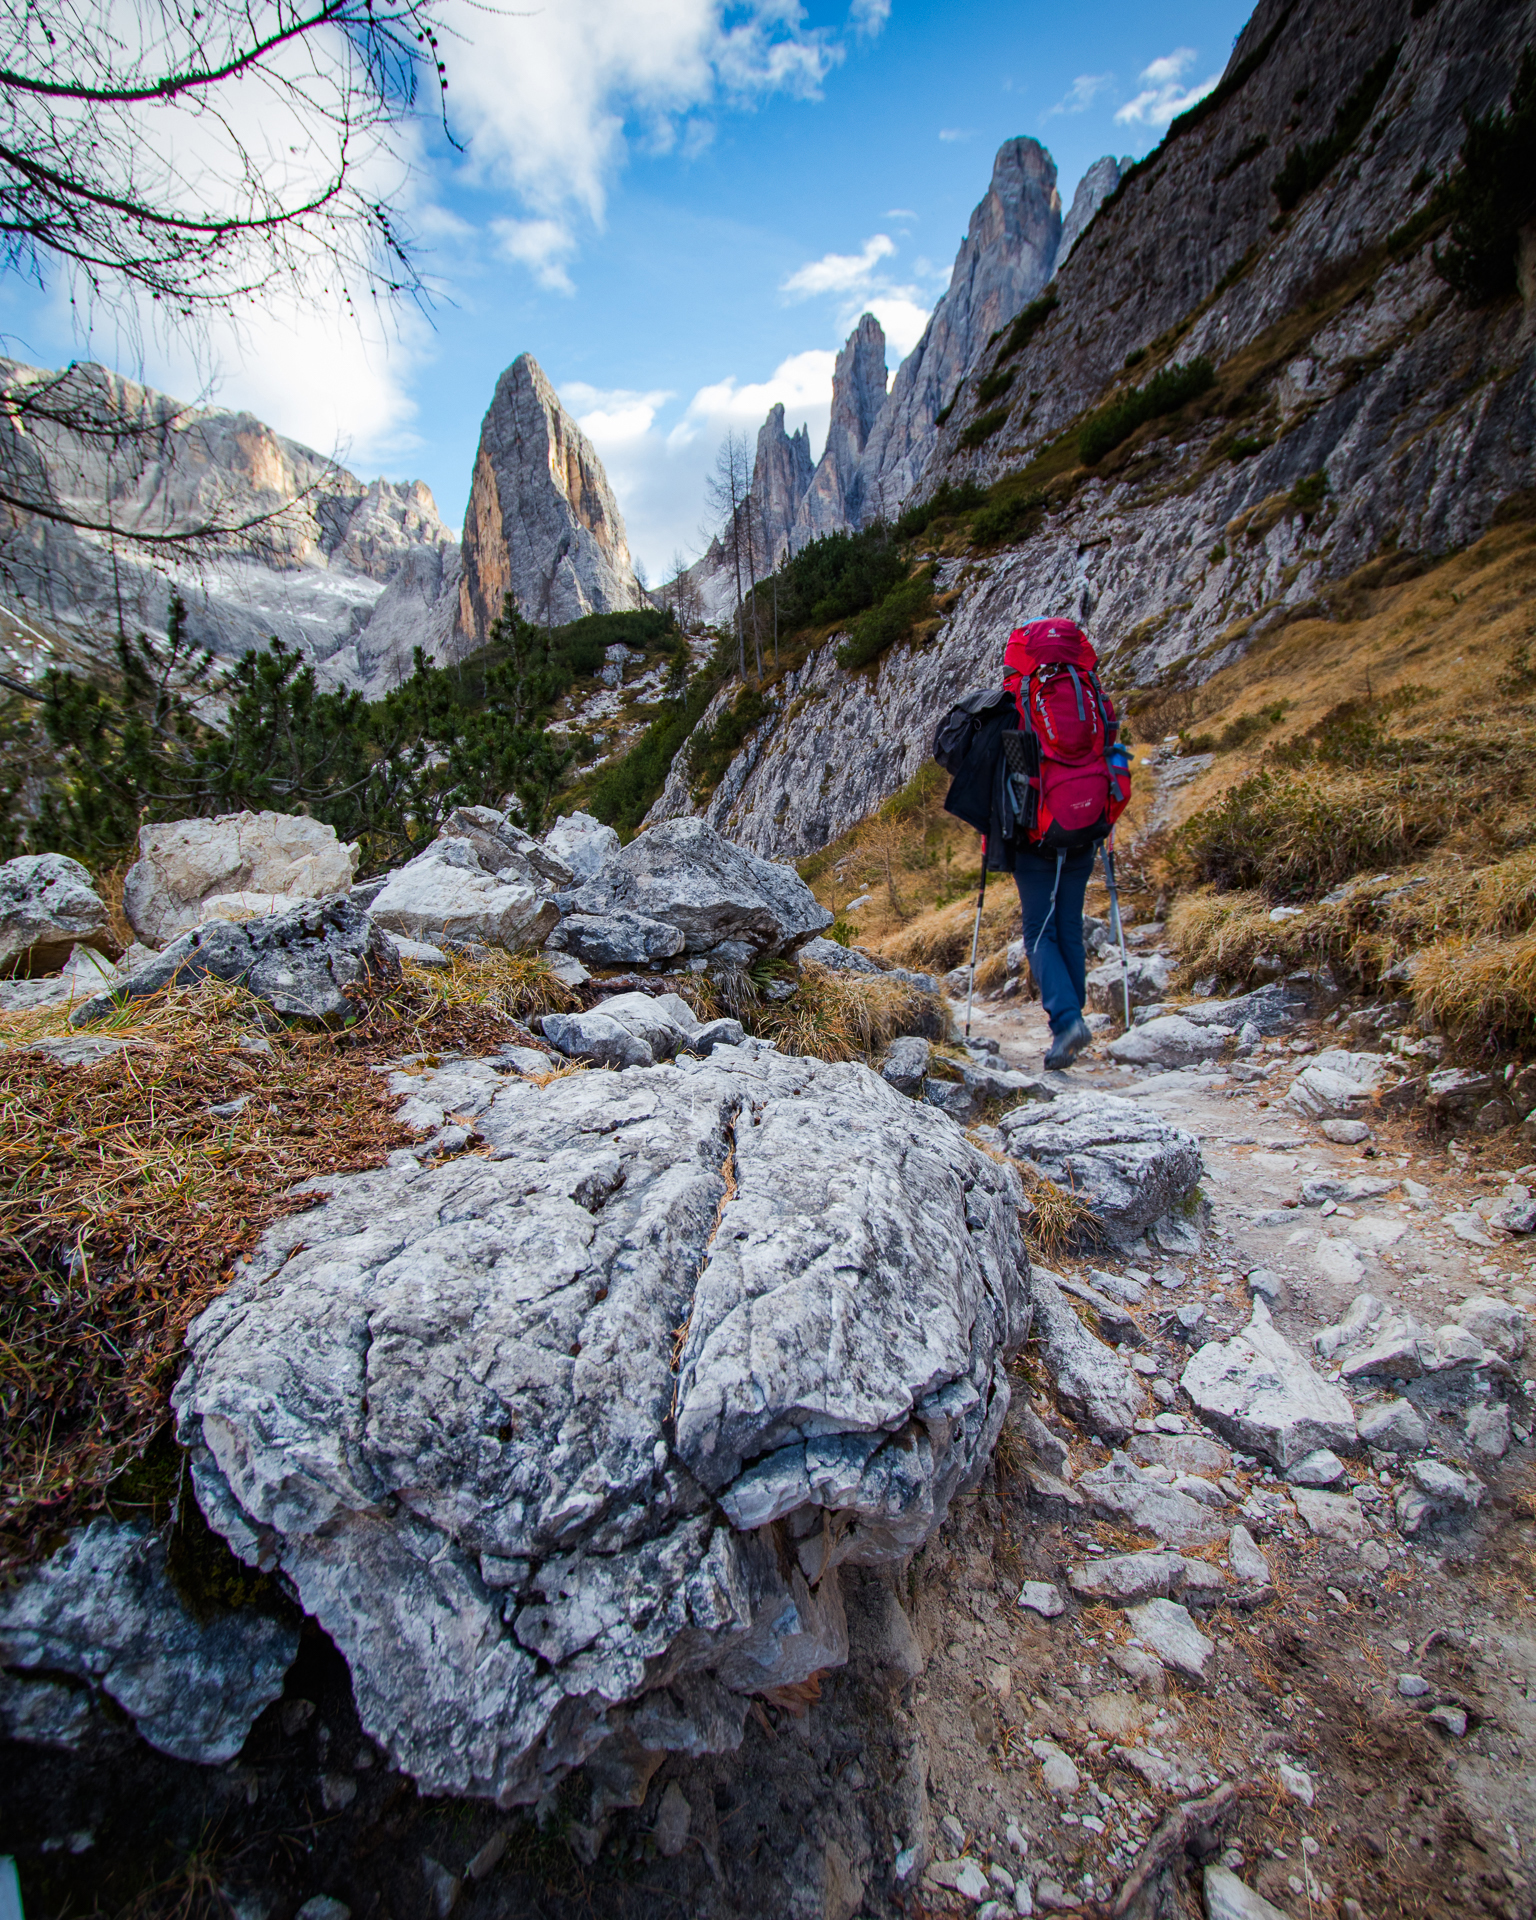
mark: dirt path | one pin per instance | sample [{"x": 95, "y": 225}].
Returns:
[{"x": 1407, "y": 1814}]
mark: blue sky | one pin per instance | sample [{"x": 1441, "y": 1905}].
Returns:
[{"x": 680, "y": 210}]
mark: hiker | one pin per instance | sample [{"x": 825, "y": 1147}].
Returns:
[
  {"x": 1038, "y": 772},
  {"x": 1077, "y": 782}
]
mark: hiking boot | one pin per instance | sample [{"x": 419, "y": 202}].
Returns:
[{"x": 1068, "y": 1044}]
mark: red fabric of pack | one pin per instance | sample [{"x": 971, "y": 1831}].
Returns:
[{"x": 1049, "y": 668}]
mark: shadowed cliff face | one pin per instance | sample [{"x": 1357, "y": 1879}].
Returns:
[
  {"x": 781, "y": 473},
  {"x": 542, "y": 523},
  {"x": 1360, "y": 411}
]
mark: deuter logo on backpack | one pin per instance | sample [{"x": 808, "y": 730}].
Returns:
[{"x": 1071, "y": 777}]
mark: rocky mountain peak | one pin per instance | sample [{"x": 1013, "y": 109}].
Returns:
[
  {"x": 1006, "y": 257},
  {"x": 834, "y": 498},
  {"x": 780, "y": 475},
  {"x": 1095, "y": 187},
  {"x": 542, "y": 521}
]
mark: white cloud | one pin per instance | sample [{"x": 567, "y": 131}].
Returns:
[
  {"x": 803, "y": 382},
  {"x": 613, "y": 417},
  {"x": 869, "y": 16},
  {"x": 1163, "y": 94},
  {"x": 900, "y": 213},
  {"x": 1082, "y": 93},
  {"x": 957, "y": 133},
  {"x": 838, "y": 272},
  {"x": 902, "y": 316},
  {"x": 552, "y": 101},
  {"x": 543, "y": 246}
]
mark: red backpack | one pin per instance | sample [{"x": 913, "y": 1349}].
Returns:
[{"x": 1074, "y": 781}]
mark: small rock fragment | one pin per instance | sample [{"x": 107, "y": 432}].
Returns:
[
  {"x": 1394, "y": 1426},
  {"x": 1322, "y": 1468},
  {"x": 1245, "y": 1559},
  {"x": 1345, "y": 1133},
  {"x": 1039, "y": 1596},
  {"x": 1412, "y": 1686},
  {"x": 1453, "y": 1719},
  {"x": 443, "y": 1887},
  {"x": 1487, "y": 1429},
  {"x": 1296, "y": 1783},
  {"x": 1166, "y": 1627},
  {"x": 1332, "y": 1516},
  {"x": 1059, "y": 1774},
  {"x": 1228, "y": 1898},
  {"x": 673, "y": 1818}
]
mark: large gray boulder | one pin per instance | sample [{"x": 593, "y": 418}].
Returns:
[
  {"x": 102, "y": 1611},
  {"x": 1129, "y": 1168},
  {"x": 563, "y": 1444},
  {"x": 301, "y": 962},
  {"x": 1147, "y": 973},
  {"x": 234, "y": 867},
  {"x": 473, "y": 889},
  {"x": 1169, "y": 1041},
  {"x": 618, "y": 939},
  {"x": 503, "y": 848},
  {"x": 585, "y": 845},
  {"x": 1259, "y": 1391},
  {"x": 685, "y": 875},
  {"x": 48, "y": 906}
]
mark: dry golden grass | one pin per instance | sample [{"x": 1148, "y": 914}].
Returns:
[
  {"x": 125, "y": 1201},
  {"x": 844, "y": 1016},
  {"x": 1434, "y": 831},
  {"x": 1058, "y": 1220}
]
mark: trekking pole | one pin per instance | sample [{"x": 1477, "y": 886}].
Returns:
[
  {"x": 970, "y": 989},
  {"x": 1118, "y": 929}
]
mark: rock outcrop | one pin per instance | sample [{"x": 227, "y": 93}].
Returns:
[
  {"x": 302, "y": 549},
  {"x": 836, "y": 496},
  {"x": 1005, "y": 259},
  {"x": 103, "y": 1613},
  {"x": 237, "y": 866},
  {"x": 542, "y": 522},
  {"x": 1131, "y": 1170},
  {"x": 681, "y": 888},
  {"x": 1415, "y": 409},
  {"x": 481, "y": 882},
  {"x": 454, "y": 1407},
  {"x": 48, "y": 906},
  {"x": 781, "y": 472},
  {"x": 301, "y": 962}
]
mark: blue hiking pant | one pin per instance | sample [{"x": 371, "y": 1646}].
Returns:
[{"x": 1053, "y": 935}]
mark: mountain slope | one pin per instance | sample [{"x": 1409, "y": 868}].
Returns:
[
  {"x": 1357, "y": 407},
  {"x": 299, "y": 548}
]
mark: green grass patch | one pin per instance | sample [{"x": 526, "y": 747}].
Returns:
[
  {"x": 895, "y": 617},
  {"x": 1164, "y": 393},
  {"x": 982, "y": 429},
  {"x": 1026, "y": 324},
  {"x": 946, "y": 502},
  {"x": 1007, "y": 516},
  {"x": 996, "y": 382}
]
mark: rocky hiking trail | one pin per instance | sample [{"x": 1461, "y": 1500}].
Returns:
[{"x": 667, "y": 1471}]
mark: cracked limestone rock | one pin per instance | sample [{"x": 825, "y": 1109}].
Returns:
[
  {"x": 264, "y": 861},
  {"x": 1338, "y": 1083},
  {"x": 1148, "y": 975},
  {"x": 554, "y": 1441},
  {"x": 482, "y": 880},
  {"x": 1128, "y": 1167},
  {"x": 48, "y": 906},
  {"x": 1093, "y": 1382},
  {"x": 102, "y": 1611},
  {"x": 1169, "y": 1041},
  {"x": 301, "y": 962},
  {"x": 585, "y": 845},
  {"x": 1137, "y": 1495},
  {"x": 1263, "y": 1395},
  {"x": 688, "y": 877},
  {"x": 1166, "y": 1628}
]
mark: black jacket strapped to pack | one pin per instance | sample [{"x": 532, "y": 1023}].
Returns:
[{"x": 969, "y": 745}]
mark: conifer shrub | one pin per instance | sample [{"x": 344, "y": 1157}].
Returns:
[
  {"x": 1492, "y": 196},
  {"x": 946, "y": 502},
  {"x": 1164, "y": 393},
  {"x": 1307, "y": 166},
  {"x": 892, "y": 620}
]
